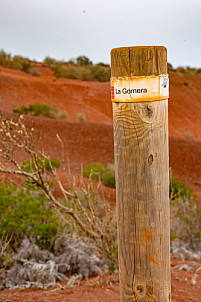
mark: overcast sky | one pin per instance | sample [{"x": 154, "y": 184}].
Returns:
[{"x": 65, "y": 29}]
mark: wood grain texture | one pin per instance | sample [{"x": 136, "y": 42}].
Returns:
[{"x": 142, "y": 182}]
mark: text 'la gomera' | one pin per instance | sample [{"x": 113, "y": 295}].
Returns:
[{"x": 130, "y": 91}]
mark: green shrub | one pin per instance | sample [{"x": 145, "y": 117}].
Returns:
[
  {"x": 103, "y": 64},
  {"x": 83, "y": 60},
  {"x": 69, "y": 72},
  {"x": 34, "y": 71},
  {"x": 169, "y": 67},
  {"x": 98, "y": 171},
  {"x": 87, "y": 75},
  {"x": 46, "y": 166},
  {"x": 5, "y": 59},
  {"x": 93, "y": 170},
  {"x": 24, "y": 62},
  {"x": 186, "y": 220},
  {"x": 23, "y": 215},
  {"x": 101, "y": 74},
  {"x": 49, "y": 62},
  {"x": 18, "y": 63},
  {"x": 37, "y": 109},
  {"x": 109, "y": 179},
  {"x": 185, "y": 213},
  {"x": 188, "y": 70},
  {"x": 89, "y": 72},
  {"x": 82, "y": 118},
  {"x": 43, "y": 164},
  {"x": 178, "y": 189}
]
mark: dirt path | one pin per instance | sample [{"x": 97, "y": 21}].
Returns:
[{"x": 104, "y": 289}]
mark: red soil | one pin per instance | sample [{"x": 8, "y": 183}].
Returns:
[
  {"x": 105, "y": 289},
  {"x": 92, "y": 141}
]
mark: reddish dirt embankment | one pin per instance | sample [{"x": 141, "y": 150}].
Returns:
[
  {"x": 88, "y": 142},
  {"x": 92, "y": 99},
  {"x": 104, "y": 289}
]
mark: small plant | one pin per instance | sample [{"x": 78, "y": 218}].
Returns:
[
  {"x": 37, "y": 109},
  {"x": 18, "y": 63},
  {"x": 185, "y": 213},
  {"x": 82, "y": 118},
  {"x": 49, "y": 62},
  {"x": 23, "y": 215},
  {"x": 46, "y": 167},
  {"x": 188, "y": 70},
  {"x": 179, "y": 190},
  {"x": 101, "y": 74},
  {"x": 98, "y": 171},
  {"x": 83, "y": 60},
  {"x": 34, "y": 71},
  {"x": 85, "y": 212},
  {"x": 169, "y": 67},
  {"x": 23, "y": 62},
  {"x": 5, "y": 59}
]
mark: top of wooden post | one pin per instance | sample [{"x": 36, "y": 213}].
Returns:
[{"x": 138, "y": 61}]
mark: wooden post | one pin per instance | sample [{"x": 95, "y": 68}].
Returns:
[{"x": 142, "y": 174}]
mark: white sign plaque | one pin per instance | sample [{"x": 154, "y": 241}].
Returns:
[{"x": 140, "y": 89}]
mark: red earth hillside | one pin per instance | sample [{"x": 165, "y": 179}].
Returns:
[{"x": 92, "y": 141}]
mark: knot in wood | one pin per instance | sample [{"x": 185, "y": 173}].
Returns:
[{"x": 150, "y": 159}]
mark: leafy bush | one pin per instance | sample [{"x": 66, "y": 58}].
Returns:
[
  {"x": 98, "y": 171},
  {"x": 18, "y": 63},
  {"x": 37, "y": 109},
  {"x": 81, "y": 118},
  {"x": 101, "y": 74},
  {"x": 93, "y": 171},
  {"x": 5, "y": 59},
  {"x": 83, "y": 60},
  {"x": 186, "y": 220},
  {"x": 178, "y": 189},
  {"x": 188, "y": 70},
  {"x": 43, "y": 164},
  {"x": 23, "y": 215},
  {"x": 49, "y": 62},
  {"x": 34, "y": 71},
  {"x": 169, "y": 67},
  {"x": 69, "y": 71},
  {"x": 185, "y": 213},
  {"x": 109, "y": 179},
  {"x": 103, "y": 64},
  {"x": 23, "y": 62},
  {"x": 88, "y": 73}
]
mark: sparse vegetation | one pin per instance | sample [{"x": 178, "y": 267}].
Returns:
[
  {"x": 81, "y": 118},
  {"x": 34, "y": 71},
  {"x": 88, "y": 73},
  {"x": 99, "y": 172},
  {"x": 18, "y": 63},
  {"x": 83, "y": 70},
  {"x": 188, "y": 70},
  {"x": 23, "y": 215},
  {"x": 182, "y": 69},
  {"x": 83, "y": 60},
  {"x": 39, "y": 109},
  {"x": 185, "y": 213},
  {"x": 85, "y": 212}
]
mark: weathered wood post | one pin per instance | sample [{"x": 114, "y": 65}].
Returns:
[{"x": 140, "y": 91}]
